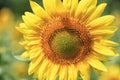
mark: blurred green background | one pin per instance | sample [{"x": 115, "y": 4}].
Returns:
[{"x": 12, "y": 67}]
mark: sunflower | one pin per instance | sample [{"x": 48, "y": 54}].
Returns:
[
  {"x": 67, "y": 37},
  {"x": 112, "y": 74}
]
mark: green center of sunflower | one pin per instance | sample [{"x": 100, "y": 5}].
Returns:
[{"x": 65, "y": 42}]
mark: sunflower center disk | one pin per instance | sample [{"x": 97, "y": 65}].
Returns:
[{"x": 66, "y": 43}]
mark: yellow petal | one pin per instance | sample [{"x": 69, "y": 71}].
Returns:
[
  {"x": 98, "y": 11},
  {"x": 54, "y": 7},
  {"x": 49, "y": 6},
  {"x": 23, "y": 26},
  {"x": 101, "y": 32},
  {"x": 60, "y": 9},
  {"x": 35, "y": 74},
  {"x": 53, "y": 72},
  {"x": 99, "y": 56},
  {"x": 32, "y": 16},
  {"x": 84, "y": 69},
  {"x": 74, "y": 5},
  {"x": 63, "y": 74},
  {"x": 105, "y": 32},
  {"x": 108, "y": 43},
  {"x": 39, "y": 11},
  {"x": 103, "y": 49},
  {"x": 43, "y": 68},
  {"x": 67, "y": 4},
  {"x": 31, "y": 38},
  {"x": 89, "y": 11},
  {"x": 33, "y": 20},
  {"x": 19, "y": 29},
  {"x": 105, "y": 27},
  {"x": 24, "y": 43},
  {"x": 35, "y": 52},
  {"x": 25, "y": 54},
  {"x": 34, "y": 63},
  {"x": 46, "y": 74},
  {"x": 72, "y": 72},
  {"x": 96, "y": 64},
  {"x": 82, "y": 7},
  {"x": 26, "y": 31},
  {"x": 35, "y": 42},
  {"x": 27, "y": 21},
  {"x": 102, "y": 21}
]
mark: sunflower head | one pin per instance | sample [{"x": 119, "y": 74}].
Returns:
[{"x": 66, "y": 37}]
